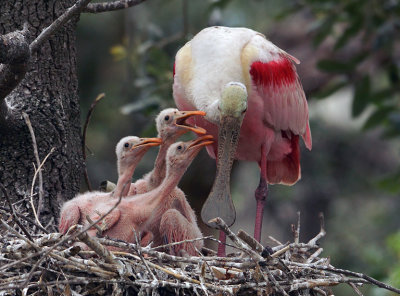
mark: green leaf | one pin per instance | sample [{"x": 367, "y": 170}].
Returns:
[
  {"x": 393, "y": 242},
  {"x": 378, "y": 117},
  {"x": 330, "y": 89},
  {"x": 287, "y": 11},
  {"x": 382, "y": 95},
  {"x": 361, "y": 96},
  {"x": 324, "y": 30},
  {"x": 351, "y": 31},
  {"x": 332, "y": 66},
  {"x": 391, "y": 183}
]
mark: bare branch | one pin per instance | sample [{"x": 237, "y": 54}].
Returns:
[
  {"x": 19, "y": 215},
  {"x": 221, "y": 225},
  {"x": 14, "y": 57},
  {"x": 15, "y": 218},
  {"x": 36, "y": 153},
  {"x": 111, "y": 6},
  {"x": 15, "y": 53},
  {"x": 362, "y": 276},
  {"x": 58, "y": 23},
  {"x": 88, "y": 116},
  {"x": 252, "y": 242},
  {"x": 92, "y": 243}
]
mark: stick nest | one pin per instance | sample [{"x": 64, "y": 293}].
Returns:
[{"x": 46, "y": 264}]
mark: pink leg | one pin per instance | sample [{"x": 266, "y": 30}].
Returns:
[
  {"x": 261, "y": 194},
  {"x": 221, "y": 246}
]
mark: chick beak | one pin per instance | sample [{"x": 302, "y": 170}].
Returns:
[
  {"x": 148, "y": 142},
  {"x": 201, "y": 141},
  {"x": 180, "y": 121}
]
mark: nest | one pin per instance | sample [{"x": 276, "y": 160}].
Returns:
[{"x": 46, "y": 264}]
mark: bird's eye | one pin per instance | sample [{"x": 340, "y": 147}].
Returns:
[
  {"x": 126, "y": 145},
  {"x": 166, "y": 118},
  {"x": 179, "y": 147},
  {"x": 244, "y": 111}
]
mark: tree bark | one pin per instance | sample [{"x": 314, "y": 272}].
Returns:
[{"x": 49, "y": 95}]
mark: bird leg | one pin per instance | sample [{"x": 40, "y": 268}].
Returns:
[
  {"x": 261, "y": 194},
  {"x": 221, "y": 244}
]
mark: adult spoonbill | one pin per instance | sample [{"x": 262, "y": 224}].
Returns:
[
  {"x": 254, "y": 103},
  {"x": 129, "y": 151},
  {"x": 153, "y": 212},
  {"x": 171, "y": 124}
]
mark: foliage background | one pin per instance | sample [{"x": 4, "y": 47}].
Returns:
[{"x": 349, "y": 51}]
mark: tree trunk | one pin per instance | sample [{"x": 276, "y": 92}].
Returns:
[{"x": 48, "y": 94}]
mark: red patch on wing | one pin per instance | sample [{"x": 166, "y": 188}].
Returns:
[
  {"x": 287, "y": 170},
  {"x": 274, "y": 73}
]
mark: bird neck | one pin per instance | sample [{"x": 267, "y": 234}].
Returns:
[
  {"x": 167, "y": 185},
  {"x": 157, "y": 175},
  {"x": 124, "y": 180}
]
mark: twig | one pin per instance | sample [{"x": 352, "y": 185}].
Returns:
[
  {"x": 27, "y": 219},
  {"x": 31, "y": 243},
  {"x": 320, "y": 291},
  {"x": 221, "y": 225},
  {"x": 226, "y": 244},
  {"x": 296, "y": 232},
  {"x": 281, "y": 251},
  {"x": 358, "y": 292},
  {"x": 314, "y": 255},
  {"x": 111, "y": 6},
  {"x": 36, "y": 153},
  {"x": 99, "y": 230},
  {"x": 15, "y": 218},
  {"x": 275, "y": 282},
  {"x": 188, "y": 279},
  {"x": 76, "y": 234},
  {"x": 58, "y": 23},
  {"x": 241, "y": 263},
  {"x": 138, "y": 251},
  {"x": 38, "y": 171},
  {"x": 253, "y": 243},
  {"x": 275, "y": 240},
  {"x": 17, "y": 53},
  {"x": 321, "y": 233},
  {"x": 360, "y": 275},
  {"x": 95, "y": 246},
  {"x": 346, "y": 272},
  {"x": 88, "y": 116},
  {"x": 181, "y": 242},
  {"x": 45, "y": 252}
]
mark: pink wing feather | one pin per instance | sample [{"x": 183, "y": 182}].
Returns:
[
  {"x": 285, "y": 105},
  {"x": 285, "y": 110}
]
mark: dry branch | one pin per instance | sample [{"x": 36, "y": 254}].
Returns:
[
  {"x": 57, "y": 24},
  {"x": 14, "y": 215},
  {"x": 111, "y": 6},
  {"x": 294, "y": 268},
  {"x": 88, "y": 116}
]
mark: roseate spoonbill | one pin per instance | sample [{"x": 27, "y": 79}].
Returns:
[
  {"x": 130, "y": 151},
  {"x": 254, "y": 101},
  {"x": 154, "y": 212},
  {"x": 170, "y": 125}
]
